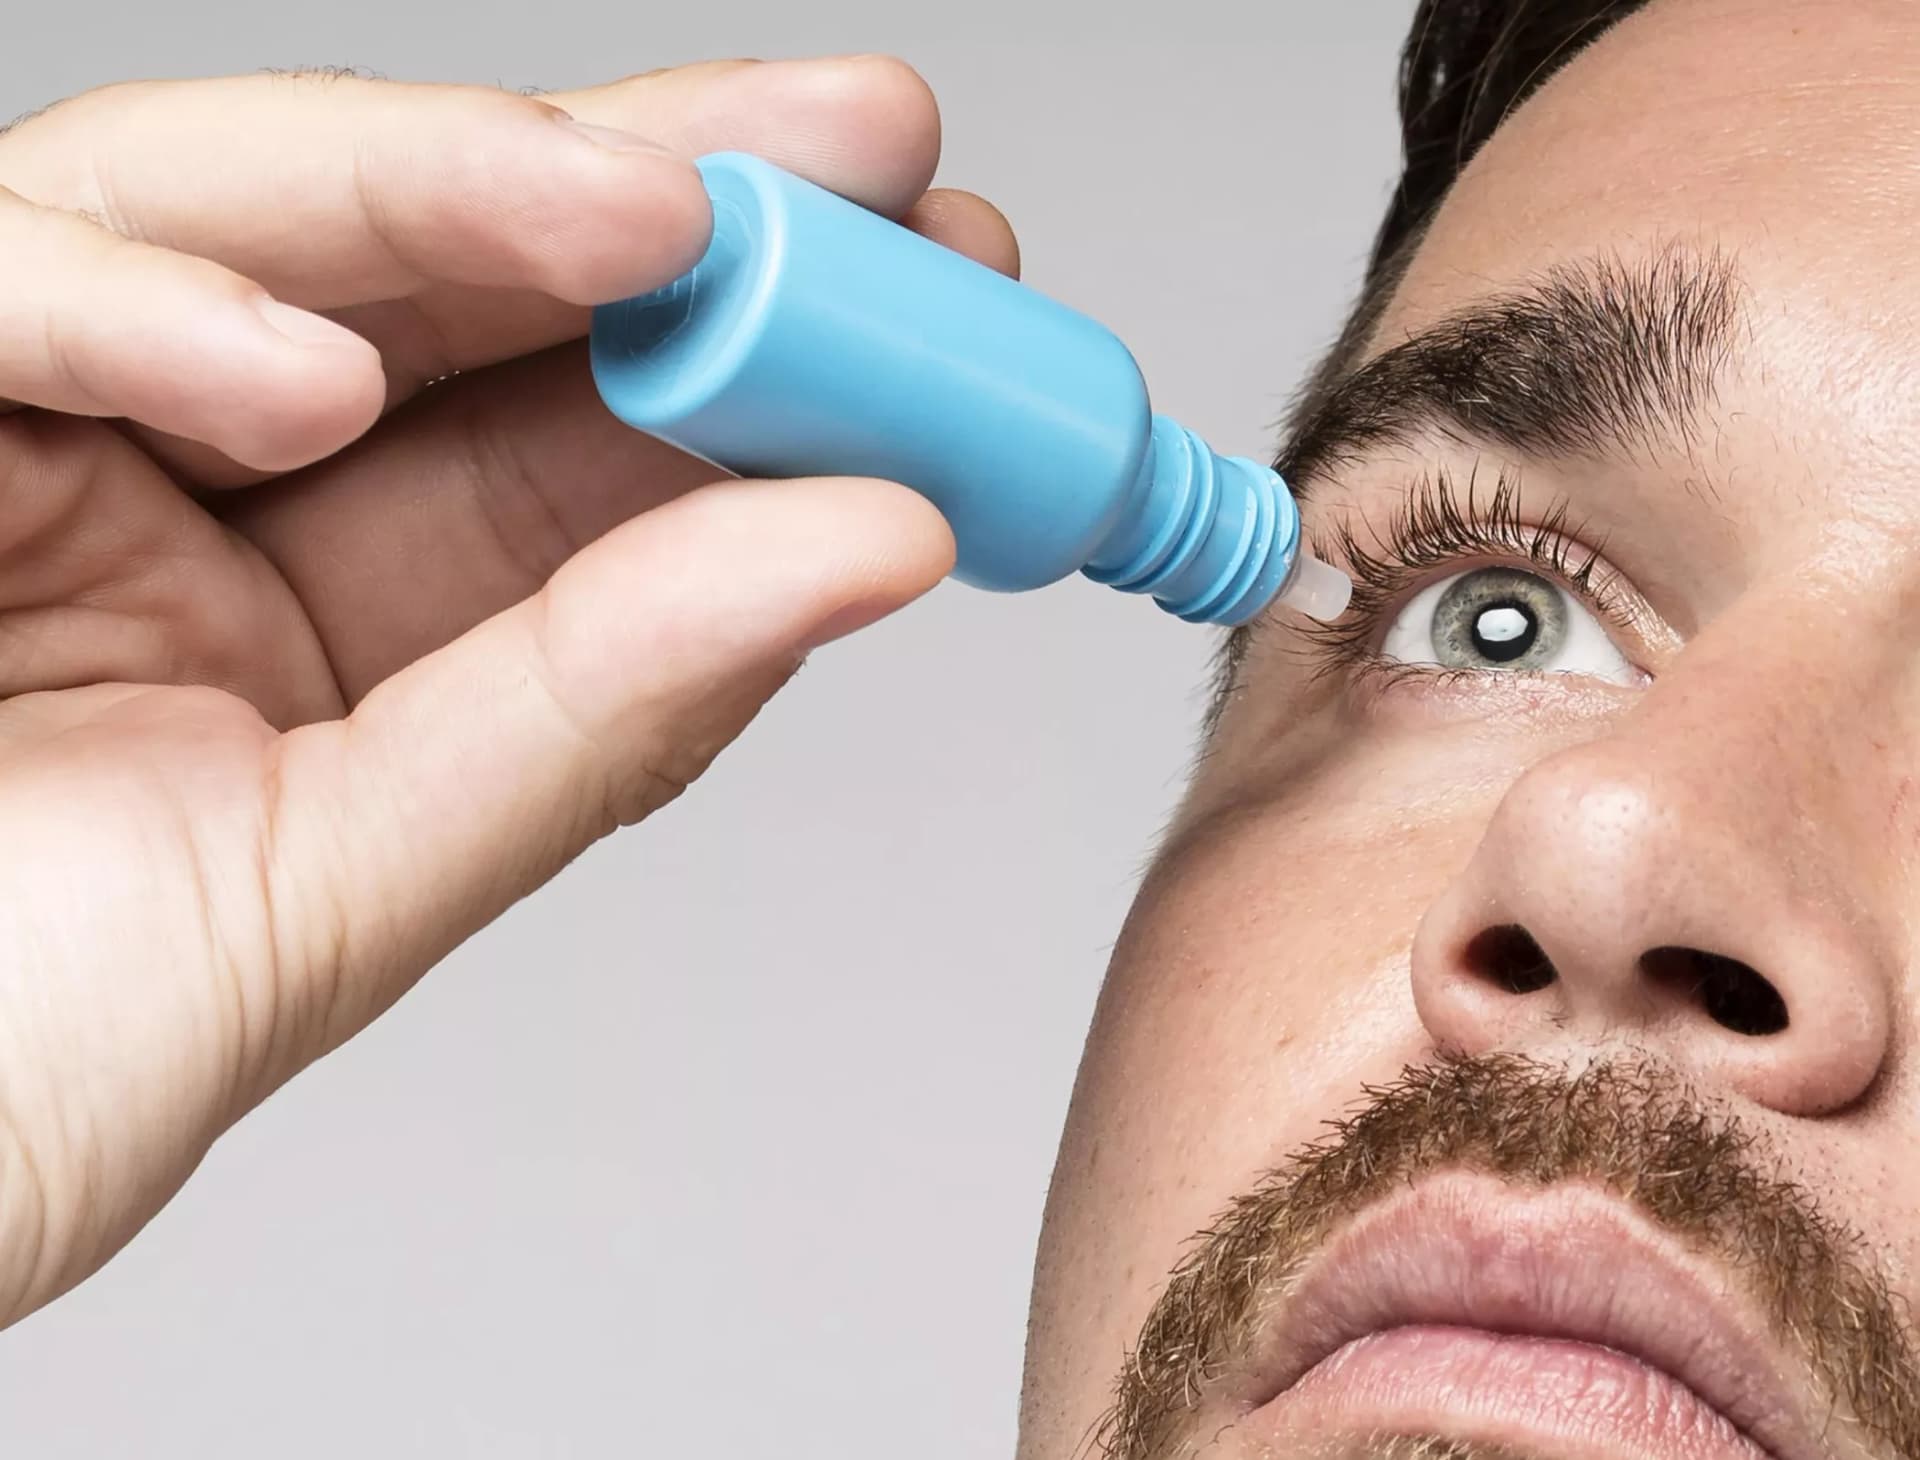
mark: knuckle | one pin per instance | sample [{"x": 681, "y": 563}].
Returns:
[
  {"x": 25, "y": 118},
  {"x": 121, "y": 93},
  {"x": 621, "y": 774},
  {"x": 643, "y": 791},
  {"x": 108, "y": 101},
  {"x": 82, "y": 109},
  {"x": 322, "y": 75}
]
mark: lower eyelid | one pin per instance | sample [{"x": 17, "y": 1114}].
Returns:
[{"x": 1382, "y": 689}]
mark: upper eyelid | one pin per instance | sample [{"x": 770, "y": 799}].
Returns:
[
  {"x": 1581, "y": 569},
  {"x": 1436, "y": 526},
  {"x": 1439, "y": 519}
]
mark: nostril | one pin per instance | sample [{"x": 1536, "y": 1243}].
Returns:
[
  {"x": 1734, "y": 994},
  {"x": 1510, "y": 959}
]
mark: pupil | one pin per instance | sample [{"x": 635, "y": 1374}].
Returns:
[{"x": 1504, "y": 632}]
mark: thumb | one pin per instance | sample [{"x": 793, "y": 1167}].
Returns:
[{"x": 473, "y": 776}]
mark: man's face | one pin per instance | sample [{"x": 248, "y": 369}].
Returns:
[{"x": 1575, "y": 872}]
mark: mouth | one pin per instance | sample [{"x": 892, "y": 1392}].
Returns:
[{"x": 1553, "y": 1322}]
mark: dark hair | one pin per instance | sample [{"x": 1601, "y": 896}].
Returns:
[{"x": 1466, "y": 65}]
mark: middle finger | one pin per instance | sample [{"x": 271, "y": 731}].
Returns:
[
  {"x": 865, "y": 127},
  {"x": 497, "y": 224}
]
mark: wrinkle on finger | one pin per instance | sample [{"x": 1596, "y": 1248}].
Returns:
[{"x": 337, "y": 193}]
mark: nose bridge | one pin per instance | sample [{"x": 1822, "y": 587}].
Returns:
[
  {"x": 1701, "y": 777},
  {"x": 1792, "y": 724},
  {"x": 1709, "y": 877}
]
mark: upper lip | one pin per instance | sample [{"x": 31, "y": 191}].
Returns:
[{"x": 1564, "y": 1262}]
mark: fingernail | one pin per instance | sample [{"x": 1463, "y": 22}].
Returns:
[
  {"x": 611, "y": 138},
  {"x": 299, "y": 325}
]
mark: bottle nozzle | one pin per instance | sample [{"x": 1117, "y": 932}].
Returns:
[
  {"x": 1215, "y": 538},
  {"x": 1317, "y": 589}
]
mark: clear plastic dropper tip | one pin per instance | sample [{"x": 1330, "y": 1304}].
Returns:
[{"x": 1317, "y": 589}]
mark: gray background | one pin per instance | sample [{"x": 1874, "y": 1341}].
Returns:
[{"x": 734, "y": 1140}]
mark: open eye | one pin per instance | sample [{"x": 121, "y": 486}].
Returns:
[{"x": 1504, "y": 619}]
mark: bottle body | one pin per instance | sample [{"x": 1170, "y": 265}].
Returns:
[{"x": 816, "y": 338}]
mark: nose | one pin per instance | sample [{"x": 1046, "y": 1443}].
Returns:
[{"x": 1623, "y": 895}]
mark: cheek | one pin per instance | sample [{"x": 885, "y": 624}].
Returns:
[{"x": 1261, "y": 981}]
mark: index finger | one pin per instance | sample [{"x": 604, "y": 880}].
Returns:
[{"x": 331, "y": 192}]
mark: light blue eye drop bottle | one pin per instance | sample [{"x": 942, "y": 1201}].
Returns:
[{"x": 815, "y": 338}]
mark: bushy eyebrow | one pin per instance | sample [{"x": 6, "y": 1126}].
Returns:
[{"x": 1598, "y": 358}]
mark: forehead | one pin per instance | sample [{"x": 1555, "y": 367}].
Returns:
[
  {"x": 1784, "y": 136},
  {"x": 1784, "y": 130}
]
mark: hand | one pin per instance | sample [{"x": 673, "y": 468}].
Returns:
[{"x": 310, "y": 668}]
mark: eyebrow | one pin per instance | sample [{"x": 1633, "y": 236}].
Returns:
[{"x": 1598, "y": 358}]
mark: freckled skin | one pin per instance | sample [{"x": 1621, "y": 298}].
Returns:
[{"x": 1303, "y": 933}]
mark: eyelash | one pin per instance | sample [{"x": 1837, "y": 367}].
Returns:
[{"x": 1437, "y": 524}]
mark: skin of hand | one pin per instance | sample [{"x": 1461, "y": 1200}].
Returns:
[{"x": 336, "y": 613}]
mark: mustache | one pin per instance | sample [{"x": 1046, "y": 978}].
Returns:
[
  {"x": 1631, "y": 1129},
  {"x": 1400, "y": 1447}
]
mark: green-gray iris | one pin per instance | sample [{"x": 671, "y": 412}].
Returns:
[{"x": 1499, "y": 618}]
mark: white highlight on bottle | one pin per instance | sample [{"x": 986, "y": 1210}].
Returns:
[{"x": 1317, "y": 589}]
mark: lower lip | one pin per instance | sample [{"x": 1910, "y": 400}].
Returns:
[{"x": 1572, "y": 1400}]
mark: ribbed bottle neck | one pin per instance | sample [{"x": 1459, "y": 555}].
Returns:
[{"x": 1212, "y": 538}]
